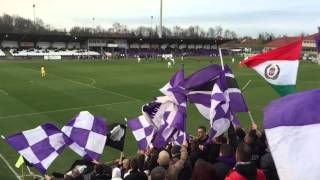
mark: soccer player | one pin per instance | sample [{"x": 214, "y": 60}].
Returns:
[
  {"x": 172, "y": 60},
  {"x": 169, "y": 65},
  {"x": 43, "y": 72}
]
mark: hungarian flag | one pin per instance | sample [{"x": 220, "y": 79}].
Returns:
[{"x": 279, "y": 67}]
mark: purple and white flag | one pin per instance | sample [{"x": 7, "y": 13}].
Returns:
[
  {"x": 173, "y": 121},
  {"x": 199, "y": 88},
  {"x": 221, "y": 114},
  {"x": 142, "y": 130},
  {"x": 175, "y": 88},
  {"x": 88, "y": 134},
  {"x": 292, "y": 127},
  {"x": 39, "y": 146},
  {"x": 164, "y": 118},
  {"x": 173, "y": 118},
  {"x": 237, "y": 102},
  {"x": 200, "y": 84}
]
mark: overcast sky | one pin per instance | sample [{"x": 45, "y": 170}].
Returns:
[{"x": 246, "y": 17}]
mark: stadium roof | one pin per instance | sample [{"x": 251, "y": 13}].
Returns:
[
  {"x": 281, "y": 42},
  {"x": 35, "y": 37},
  {"x": 311, "y": 37}
]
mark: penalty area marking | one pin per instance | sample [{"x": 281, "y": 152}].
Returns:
[
  {"x": 8, "y": 164},
  {"x": 66, "y": 109},
  {"x": 91, "y": 86}
]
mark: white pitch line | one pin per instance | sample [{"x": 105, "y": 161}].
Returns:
[
  {"x": 91, "y": 86},
  {"x": 61, "y": 110},
  {"x": 10, "y": 167},
  {"x": 92, "y": 81},
  {"x": 3, "y": 92}
]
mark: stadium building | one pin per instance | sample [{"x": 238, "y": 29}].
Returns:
[{"x": 57, "y": 46}]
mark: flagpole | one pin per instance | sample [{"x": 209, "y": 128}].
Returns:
[
  {"x": 122, "y": 153},
  {"x": 242, "y": 90},
  {"x": 246, "y": 85},
  {"x": 221, "y": 59},
  {"x": 251, "y": 118}
]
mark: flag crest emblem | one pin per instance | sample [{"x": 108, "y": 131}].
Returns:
[{"x": 272, "y": 71}]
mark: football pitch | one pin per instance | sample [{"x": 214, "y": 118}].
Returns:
[{"x": 113, "y": 89}]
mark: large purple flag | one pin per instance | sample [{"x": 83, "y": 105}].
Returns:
[
  {"x": 39, "y": 146},
  {"x": 164, "y": 119},
  {"x": 173, "y": 123},
  {"x": 88, "y": 134},
  {"x": 292, "y": 127},
  {"x": 220, "y": 109},
  {"x": 237, "y": 102},
  {"x": 200, "y": 84},
  {"x": 175, "y": 88},
  {"x": 199, "y": 88}
]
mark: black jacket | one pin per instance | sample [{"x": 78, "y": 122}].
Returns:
[
  {"x": 136, "y": 175},
  {"x": 223, "y": 166},
  {"x": 268, "y": 167}
]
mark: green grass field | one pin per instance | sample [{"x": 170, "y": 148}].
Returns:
[{"x": 114, "y": 90}]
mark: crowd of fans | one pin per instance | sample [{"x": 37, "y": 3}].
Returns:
[
  {"x": 235, "y": 155},
  {"x": 153, "y": 53}
]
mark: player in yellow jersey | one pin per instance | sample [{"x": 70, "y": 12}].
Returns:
[{"x": 43, "y": 72}]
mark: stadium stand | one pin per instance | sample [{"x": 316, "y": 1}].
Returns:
[
  {"x": 51, "y": 52},
  {"x": 2, "y": 54}
]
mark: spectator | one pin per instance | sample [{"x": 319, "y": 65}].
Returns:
[
  {"x": 214, "y": 148},
  {"x": 164, "y": 159},
  {"x": 245, "y": 169},
  {"x": 152, "y": 157},
  {"x": 176, "y": 165},
  {"x": 186, "y": 171},
  {"x": 102, "y": 172},
  {"x": 158, "y": 173},
  {"x": 125, "y": 167},
  {"x": 203, "y": 171},
  {"x": 200, "y": 143},
  {"x": 135, "y": 174},
  {"x": 116, "y": 174},
  {"x": 225, "y": 161}
]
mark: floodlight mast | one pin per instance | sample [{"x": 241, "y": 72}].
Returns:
[
  {"x": 160, "y": 29},
  {"x": 34, "y": 13}
]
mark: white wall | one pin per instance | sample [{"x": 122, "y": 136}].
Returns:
[
  {"x": 145, "y": 46},
  {"x": 10, "y": 44},
  {"x": 59, "y": 45},
  {"x": 191, "y": 46},
  {"x": 206, "y": 46},
  {"x": 174, "y": 45},
  {"x": 182, "y": 46},
  {"x": 72, "y": 45},
  {"x": 134, "y": 45},
  {"x": 155, "y": 46},
  {"x": 43, "y": 45},
  {"x": 163, "y": 46},
  {"x": 198, "y": 46}
]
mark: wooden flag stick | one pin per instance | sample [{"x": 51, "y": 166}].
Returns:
[{"x": 251, "y": 118}]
